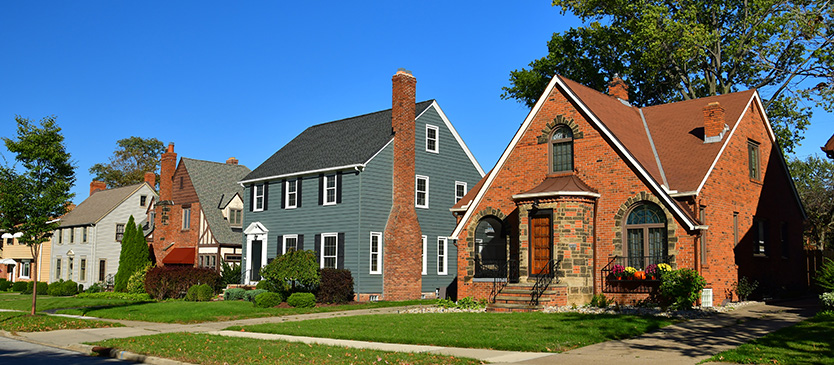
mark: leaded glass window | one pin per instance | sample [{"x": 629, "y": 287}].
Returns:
[{"x": 561, "y": 146}]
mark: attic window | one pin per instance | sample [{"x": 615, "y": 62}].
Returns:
[
  {"x": 143, "y": 200},
  {"x": 431, "y": 139},
  {"x": 561, "y": 149},
  {"x": 753, "y": 164}
]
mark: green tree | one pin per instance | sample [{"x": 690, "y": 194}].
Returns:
[
  {"x": 37, "y": 192},
  {"x": 293, "y": 269},
  {"x": 679, "y": 50},
  {"x": 129, "y": 163},
  {"x": 814, "y": 181},
  {"x": 133, "y": 257}
]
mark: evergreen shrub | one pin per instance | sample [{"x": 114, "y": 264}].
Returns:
[
  {"x": 19, "y": 286},
  {"x": 250, "y": 295},
  {"x": 268, "y": 300},
  {"x": 5, "y": 285},
  {"x": 302, "y": 300},
  {"x": 62, "y": 288},
  {"x": 234, "y": 294},
  {"x": 43, "y": 288}
]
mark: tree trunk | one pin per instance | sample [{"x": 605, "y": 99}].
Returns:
[{"x": 35, "y": 254}]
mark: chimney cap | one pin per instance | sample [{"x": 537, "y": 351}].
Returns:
[
  {"x": 403, "y": 71},
  {"x": 170, "y": 147}
]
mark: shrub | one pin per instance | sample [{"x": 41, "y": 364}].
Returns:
[
  {"x": 827, "y": 301},
  {"x": 95, "y": 288},
  {"x": 144, "y": 297},
  {"x": 5, "y": 285},
  {"x": 336, "y": 286},
  {"x": 682, "y": 287},
  {"x": 250, "y": 295},
  {"x": 19, "y": 286},
  {"x": 599, "y": 301},
  {"x": 136, "y": 282},
  {"x": 302, "y": 300},
  {"x": 744, "y": 288},
  {"x": 268, "y": 285},
  {"x": 268, "y": 300},
  {"x": 199, "y": 293},
  {"x": 825, "y": 276},
  {"x": 292, "y": 269},
  {"x": 63, "y": 288},
  {"x": 462, "y": 303},
  {"x": 43, "y": 287},
  {"x": 173, "y": 281},
  {"x": 230, "y": 274},
  {"x": 234, "y": 294}
]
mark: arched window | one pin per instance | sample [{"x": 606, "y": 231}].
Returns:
[
  {"x": 490, "y": 249},
  {"x": 561, "y": 149},
  {"x": 646, "y": 234}
]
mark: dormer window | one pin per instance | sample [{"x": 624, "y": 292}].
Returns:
[
  {"x": 561, "y": 149},
  {"x": 235, "y": 217}
]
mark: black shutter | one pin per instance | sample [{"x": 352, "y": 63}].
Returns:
[
  {"x": 321, "y": 189},
  {"x": 252, "y": 197},
  {"x": 340, "y": 252},
  {"x": 266, "y": 193},
  {"x": 338, "y": 187},
  {"x": 283, "y": 193},
  {"x": 317, "y": 248},
  {"x": 298, "y": 192},
  {"x": 300, "y": 243},
  {"x": 280, "y": 246}
]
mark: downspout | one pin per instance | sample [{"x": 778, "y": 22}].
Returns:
[
  {"x": 594, "y": 243},
  {"x": 359, "y": 234}
]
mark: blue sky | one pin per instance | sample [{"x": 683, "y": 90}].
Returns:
[{"x": 224, "y": 79}]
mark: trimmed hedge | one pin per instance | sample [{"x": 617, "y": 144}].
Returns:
[
  {"x": 62, "y": 288},
  {"x": 302, "y": 300},
  {"x": 268, "y": 300},
  {"x": 234, "y": 294},
  {"x": 336, "y": 286},
  {"x": 19, "y": 286},
  {"x": 250, "y": 295},
  {"x": 5, "y": 285},
  {"x": 174, "y": 282},
  {"x": 43, "y": 288}
]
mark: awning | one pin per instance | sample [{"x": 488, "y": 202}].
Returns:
[
  {"x": 8, "y": 262},
  {"x": 181, "y": 256}
]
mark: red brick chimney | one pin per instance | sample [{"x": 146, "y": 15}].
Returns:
[
  {"x": 150, "y": 178},
  {"x": 618, "y": 88},
  {"x": 402, "y": 278},
  {"x": 168, "y": 164},
  {"x": 714, "y": 124},
  {"x": 96, "y": 186},
  {"x": 232, "y": 161}
]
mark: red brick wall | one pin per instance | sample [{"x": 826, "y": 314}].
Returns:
[{"x": 168, "y": 220}]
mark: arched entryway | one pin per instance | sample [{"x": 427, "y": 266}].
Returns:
[{"x": 490, "y": 248}]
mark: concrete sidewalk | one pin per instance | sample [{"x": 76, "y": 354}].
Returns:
[{"x": 685, "y": 343}]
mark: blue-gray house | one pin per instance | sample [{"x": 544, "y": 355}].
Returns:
[{"x": 370, "y": 194}]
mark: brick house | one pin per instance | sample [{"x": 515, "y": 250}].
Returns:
[
  {"x": 369, "y": 194},
  {"x": 197, "y": 220},
  {"x": 829, "y": 148},
  {"x": 590, "y": 181}
]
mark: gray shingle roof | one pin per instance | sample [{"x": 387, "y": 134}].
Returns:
[
  {"x": 216, "y": 184},
  {"x": 95, "y": 207},
  {"x": 339, "y": 143}
]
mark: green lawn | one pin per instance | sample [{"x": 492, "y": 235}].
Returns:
[
  {"x": 540, "y": 332},
  {"x": 24, "y": 302},
  {"x": 809, "y": 342},
  {"x": 23, "y": 322},
  {"x": 210, "y": 349},
  {"x": 177, "y": 311}
]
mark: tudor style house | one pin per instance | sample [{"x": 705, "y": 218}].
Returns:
[
  {"x": 369, "y": 194},
  {"x": 590, "y": 181},
  {"x": 197, "y": 220},
  {"x": 87, "y": 245}
]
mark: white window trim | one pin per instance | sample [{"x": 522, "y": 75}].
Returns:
[
  {"x": 259, "y": 193},
  {"x": 58, "y": 267},
  {"x": 336, "y": 257},
  {"x": 416, "y": 192},
  {"x": 287, "y": 194},
  {"x": 335, "y": 189},
  {"x": 263, "y": 237},
  {"x": 460, "y": 183},
  {"x": 284, "y": 242},
  {"x": 425, "y": 255},
  {"x": 378, "y": 260},
  {"x": 436, "y": 138},
  {"x": 25, "y": 264},
  {"x": 444, "y": 268}
]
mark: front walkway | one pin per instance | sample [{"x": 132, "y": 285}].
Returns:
[{"x": 686, "y": 343}]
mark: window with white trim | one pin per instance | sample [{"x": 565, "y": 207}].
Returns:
[
  {"x": 421, "y": 191},
  {"x": 84, "y": 233},
  {"x": 72, "y": 235},
  {"x": 460, "y": 190},
  {"x": 292, "y": 194},
  {"x": 431, "y": 139},
  {"x": 259, "y": 197},
  {"x": 290, "y": 243},
  {"x": 329, "y": 250},
  {"x": 25, "y": 269},
  {"x": 330, "y": 189},
  {"x": 120, "y": 231},
  {"x": 442, "y": 265},
  {"x": 425, "y": 255},
  {"x": 69, "y": 267},
  {"x": 82, "y": 273},
  {"x": 57, "y": 268},
  {"x": 376, "y": 253}
]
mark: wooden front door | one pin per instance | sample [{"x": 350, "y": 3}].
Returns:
[{"x": 540, "y": 244}]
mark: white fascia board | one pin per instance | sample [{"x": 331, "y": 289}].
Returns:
[
  {"x": 377, "y": 152},
  {"x": 456, "y": 135},
  {"x": 308, "y": 172},
  {"x": 682, "y": 194},
  {"x": 555, "y": 193},
  {"x": 726, "y": 142}
]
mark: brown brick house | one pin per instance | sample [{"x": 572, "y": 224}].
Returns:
[{"x": 590, "y": 181}]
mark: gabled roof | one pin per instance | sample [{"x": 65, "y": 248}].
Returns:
[
  {"x": 342, "y": 143},
  {"x": 216, "y": 184},
  {"x": 98, "y": 205},
  {"x": 829, "y": 147}
]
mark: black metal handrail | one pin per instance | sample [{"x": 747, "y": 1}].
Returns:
[{"x": 544, "y": 279}]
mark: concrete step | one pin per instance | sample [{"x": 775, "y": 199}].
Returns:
[{"x": 512, "y": 307}]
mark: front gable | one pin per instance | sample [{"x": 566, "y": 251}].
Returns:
[{"x": 183, "y": 189}]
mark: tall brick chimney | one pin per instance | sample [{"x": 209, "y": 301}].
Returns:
[
  {"x": 232, "y": 161},
  {"x": 97, "y": 186},
  {"x": 714, "y": 125},
  {"x": 168, "y": 164},
  {"x": 402, "y": 278},
  {"x": 618, "y": 88},
  {"x": 150, "y": 178}
]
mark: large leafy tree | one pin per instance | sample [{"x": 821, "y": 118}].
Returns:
[
  {"x": 129, "y": 163},
  {"x": 814, "y": 180},
  {"x": 35, "y": 190},
  {"x": 685, "y": 49}
]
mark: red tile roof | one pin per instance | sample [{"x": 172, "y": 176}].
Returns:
[{"x": 180, "y": 255}]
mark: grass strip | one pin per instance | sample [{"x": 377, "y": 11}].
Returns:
[
  {"x": 17, "y": 301},
  {"x": 808, "y": 342},
  {"x": 213, "y": 349},
  {"x": 23, "y": 322},
  {"x": 538, "y": 332},
  {"x": 178, "y": 311}
]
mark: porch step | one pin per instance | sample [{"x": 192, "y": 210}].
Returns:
[{"x": 512, "y": 307}]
